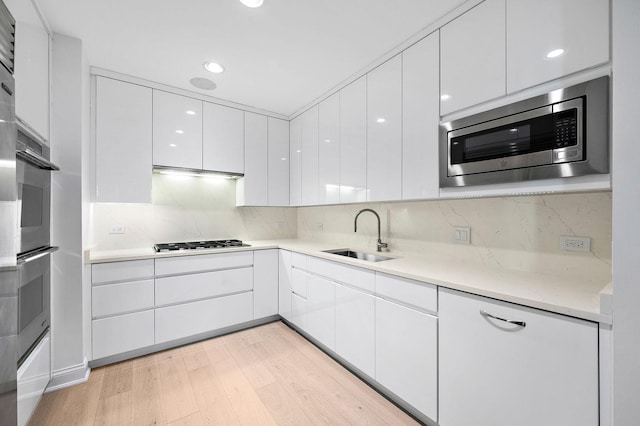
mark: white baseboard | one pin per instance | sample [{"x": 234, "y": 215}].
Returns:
[{"x": 69, "y": 376}]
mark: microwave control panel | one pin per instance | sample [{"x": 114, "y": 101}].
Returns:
[{"x": 566, "y": 127}]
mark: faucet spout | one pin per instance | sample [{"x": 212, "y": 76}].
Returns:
[{"x": 381, "y": 245}]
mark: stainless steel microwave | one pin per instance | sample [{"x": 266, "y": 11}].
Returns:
[{"x": 561, "y": 134}]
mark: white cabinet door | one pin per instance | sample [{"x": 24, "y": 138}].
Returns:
[
  {"x": 500, "y": 374},
  {"x": 222, "y": 138},
  {"x": 384, "y": 131},
  {"x": 265, "y": 283},
  {"x": 329, "y": 150},
  {"x": 420, "y": 118},
  {"x": 204, "y": 316},
  {"x": 472, "y": 55},
  {"x": 278, "y": 167},
  {"x": 295, "y": 159},
  {"x": 299, "y": 311},
  {"x": 355, "y": 328},
  {"x": 252, "y": 188},
  {"x": 321, "y": 310},
  {"x": 177, "y": 131},
  {"x": 536, "y": 28},
  {"x": 33, "y": 377},
  {"x": 309, "y": 144},
  {"x": 31, "y": 66},
  {"x": 353, "y": 142},
  {"x": 407, "y": 355},
  {"x": 122, "y": 333},
  {"x": 284, "y": 284},
  {"x": 123, "y": 129}
]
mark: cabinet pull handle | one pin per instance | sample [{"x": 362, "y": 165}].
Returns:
[{"x": 487, "y": 314}]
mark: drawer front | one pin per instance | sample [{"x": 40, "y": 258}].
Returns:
[
  {"x": 122, "y": 333},
  {"x": 299, "y": 283},
  {"x": 175, "y": 322},
  {"x": 205, "y": 262},
  {"x": 299, "y": 260},
  {"x": 113, "y": 299},
  {"x": 185, "y": 288},
  {"x": 408, "y": 292},
  {"x": 122, "y": 271},
  {"x": 299, "y": 311},
  {"x": 356, "y": 277},
  {"x": 33, "y": 378}
]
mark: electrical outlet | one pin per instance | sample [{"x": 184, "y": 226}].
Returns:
[
  {"x": 575, "y": 244},
  {"x": 281, "y": 225},
  {"x": 461, "y": 235},
  {"x": 319, "y": 226},
  {"x": 117, "y": 229}
]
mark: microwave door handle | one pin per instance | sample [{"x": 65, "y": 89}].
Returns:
[
  {"x": 36, "y": 159},
  {"x": 36, "y": 255}
]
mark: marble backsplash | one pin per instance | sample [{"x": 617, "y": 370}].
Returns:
[
  {"x": 520, "y": 233},
  {"x": 188, "y": 208}
]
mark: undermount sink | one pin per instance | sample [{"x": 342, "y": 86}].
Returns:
[{"x": 369, "y": 257}]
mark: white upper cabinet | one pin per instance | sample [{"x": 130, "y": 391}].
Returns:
[
  {"x": 309, "y": 164},
  {"x": 329, "y": 150},
  {"x": 420, "y": 117},
  {"x": 353, "y": 142},
  {"x": 278, "y": 167},
  {"x": 295, "y": 162},
  {"x": 254, "y": 186},
  {"x": 472, "y": 68},
  {"x": 384, "y": 131},
  {"x": 123, "y": 142},
  {"x": 177, "y": 131},
  {"x": 222, "y": 138},
  {"x": 536, "y": 28},
  {"x": 31, "y": 66}
]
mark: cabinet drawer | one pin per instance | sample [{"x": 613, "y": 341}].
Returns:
[
  {"x": 337, "y": 272},
  {"x": 409, "y": 292},
  {"x": 33, "y": 377},
  {"x": 299, "y": 261},
  {"x": 122, "y": 271},
  {"x": 299, "y": 283},
  {"x": 112, "y": 299},
  {"x": 175, "y": 322},
  {"x": 184, "y": 288},
  {"x": 122, "y": 333},
  {"x": 205, "y": 262}
]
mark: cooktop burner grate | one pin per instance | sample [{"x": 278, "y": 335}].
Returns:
[{"x": 198, "y": 245}]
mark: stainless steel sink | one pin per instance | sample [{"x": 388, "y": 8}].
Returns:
[{"x": 369, "y": 257}]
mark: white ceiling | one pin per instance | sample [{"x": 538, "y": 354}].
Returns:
[{"x": 278, "y": 57}]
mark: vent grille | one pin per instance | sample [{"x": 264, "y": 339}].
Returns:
[{"x": 7, "y": 38}]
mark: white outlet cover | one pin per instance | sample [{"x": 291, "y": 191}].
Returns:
[
  {"x": 581, "y": 244},
  {"x": 461, "y": 235},
  {"x": 117, "y": 229}
]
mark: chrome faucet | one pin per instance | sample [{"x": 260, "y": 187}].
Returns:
[{"x": 381, "y": 245}]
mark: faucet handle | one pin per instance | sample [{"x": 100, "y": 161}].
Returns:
[{"x": 382, "y": 245}]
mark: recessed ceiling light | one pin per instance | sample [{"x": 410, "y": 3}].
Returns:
[
  {"x": 445, "y": 97},
  {"x": 284, "y": 158},
  {"x": 327, "y": 141},
  {"x": 297, "y": 150},
  {"x": 213, "y": 67},
  {"x": 179, "y": 132},
  {"x": 172, "y": 145},
  {"x": 202, "y": 83},
  {"x": 380, "y": 120},
  {"x": 252, "y": 3},
  {"x": 190, "y": 112},
  {"x": 555, "y": 53}
]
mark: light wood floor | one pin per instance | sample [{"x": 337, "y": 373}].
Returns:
[{"x": 262, "y": 376}]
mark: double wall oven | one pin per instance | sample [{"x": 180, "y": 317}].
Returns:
[{"x": 33, "y": 175}]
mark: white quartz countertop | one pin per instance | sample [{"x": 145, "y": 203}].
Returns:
[{"x": 562, "y": 295}]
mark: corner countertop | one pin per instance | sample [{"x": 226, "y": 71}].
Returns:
[{"x": 573, "y": 297}]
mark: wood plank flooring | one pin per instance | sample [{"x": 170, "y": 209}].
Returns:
[{"x": 267, "y": 375}]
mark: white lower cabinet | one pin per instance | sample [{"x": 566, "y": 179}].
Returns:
[
  {"x": 355, "y": 328},
  {"x": 192, "y": 287},
  {"x": 122, "y": 333},
  {"x": 33, "y": 377},
  {"x": 544, "y": 371},
  {"x": 284, "y": 284},
  {"x": 299, "y": 311},
  {"x": 407, "y": 355},
  {"x": 189, "y": 319},
  {"x": 321, "y": 310},
  {"x": 265, "y": 283}
]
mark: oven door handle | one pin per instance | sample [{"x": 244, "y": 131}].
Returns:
[
  {"x": 26, "y": 258},
  {"x": 36, "y": 159}
]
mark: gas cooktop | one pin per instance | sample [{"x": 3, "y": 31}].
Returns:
[{"x": 198, "y": 245}]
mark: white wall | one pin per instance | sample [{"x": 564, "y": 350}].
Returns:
[
  {"x": 626, "y": 206},
  {"x": 70, "y": 99}
]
